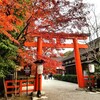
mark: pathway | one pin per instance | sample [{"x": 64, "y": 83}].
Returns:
[{"x": 59, "y": 90}]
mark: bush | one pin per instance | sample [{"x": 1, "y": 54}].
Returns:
[{"x": 67, "y": 78}]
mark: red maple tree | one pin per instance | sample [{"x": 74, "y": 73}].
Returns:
[
  {"x": 40, "y": 17},
  {"x": 53, "y": 17},
  {"x": 13, "y": 14}
]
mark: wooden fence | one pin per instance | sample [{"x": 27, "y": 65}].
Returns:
[
  {"x": 89, "y": 80},
  {"x": 19, "y": 86}
]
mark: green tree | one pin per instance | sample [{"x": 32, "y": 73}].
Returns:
[
  {"x": 8, "y": 55},
  {"x": 13, "y": 16},
  {"x": 67, "y": 53}
]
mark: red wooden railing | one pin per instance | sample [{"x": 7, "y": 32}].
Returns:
[
  {"x": 19, "y": 86},
  {"x": 91, "y": 80}
]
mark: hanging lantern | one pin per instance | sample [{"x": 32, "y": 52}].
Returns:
[
  {"x": 39, "y": 64},
  {"x": 40, "y": 69},
  {"x": 91, "y": 68}
]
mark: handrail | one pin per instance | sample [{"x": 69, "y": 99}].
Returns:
[{"x": 17, "y": 86}]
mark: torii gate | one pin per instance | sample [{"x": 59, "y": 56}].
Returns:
[{"x": 75, "y": 37}]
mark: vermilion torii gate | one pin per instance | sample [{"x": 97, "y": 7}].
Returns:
[{"x": 75, "y": 37}]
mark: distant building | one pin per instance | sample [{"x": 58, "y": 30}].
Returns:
[{"x": 60, "y": 70}]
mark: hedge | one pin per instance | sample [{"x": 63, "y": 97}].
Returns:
[{"x": 67, "y": 78}]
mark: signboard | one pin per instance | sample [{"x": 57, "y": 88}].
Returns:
[{"x": 27, "y": 70}]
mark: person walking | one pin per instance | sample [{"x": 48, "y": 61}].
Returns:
[{"x": 50, "y": 76}]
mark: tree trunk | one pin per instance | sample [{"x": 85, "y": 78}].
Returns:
[{"x": 5, "y": 90}]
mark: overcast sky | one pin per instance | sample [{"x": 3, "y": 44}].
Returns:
[
  {"x": 96, "y": 4},
  {"x": 97, "y": 10}
]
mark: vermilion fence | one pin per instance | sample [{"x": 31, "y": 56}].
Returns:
[
  {"x": 19, "y": 86},
  {"x": 91, "y": 80}
]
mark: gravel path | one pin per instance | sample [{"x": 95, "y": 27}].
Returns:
[{"x": 58, "y": 90}]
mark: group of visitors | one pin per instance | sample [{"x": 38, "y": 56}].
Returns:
[{"x": 48, "y": 76}]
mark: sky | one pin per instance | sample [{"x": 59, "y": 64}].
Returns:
[
  {"x": 92, "y": 17},
  {"x": 96, "y": 4}
]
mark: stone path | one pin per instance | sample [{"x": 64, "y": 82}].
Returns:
[{"x": 59, "y": 90}]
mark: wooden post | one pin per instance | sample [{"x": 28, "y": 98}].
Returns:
[
  {"x": 15, "y": 82},
  {"x": 80, "y": 77},
  {"x": 27, "y": 86},
  {"x": 39, "y": 53},
  {"x": 36, "y": 81},
  {"x": 5, "y": 89},
  {"x": 20, "y": 82}
]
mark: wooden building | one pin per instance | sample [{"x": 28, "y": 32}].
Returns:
[{"x": 91, "y": 55}]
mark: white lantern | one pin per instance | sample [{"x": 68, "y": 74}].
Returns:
[
  {"x": 40, "y": 68},
  {"x": 91, "y": 68}
]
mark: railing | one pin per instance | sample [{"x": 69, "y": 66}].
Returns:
[
  {"x": 19, "y": 86},
  {"x": 89, "y": 80}
]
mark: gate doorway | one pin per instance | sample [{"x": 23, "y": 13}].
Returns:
[{"x": 40, "y": 44}]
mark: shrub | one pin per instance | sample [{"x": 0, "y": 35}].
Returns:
[{"x": 67, "y": 78}]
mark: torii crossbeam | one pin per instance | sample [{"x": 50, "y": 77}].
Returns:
[{"x": 58, "y": 35}]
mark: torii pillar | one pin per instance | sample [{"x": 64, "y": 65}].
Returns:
[
  {"x": 79, "y": 72},
  {"x": 38, "y": 77}
]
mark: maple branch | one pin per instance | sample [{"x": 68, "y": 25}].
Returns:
[{"x": 24, "y": 27}]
